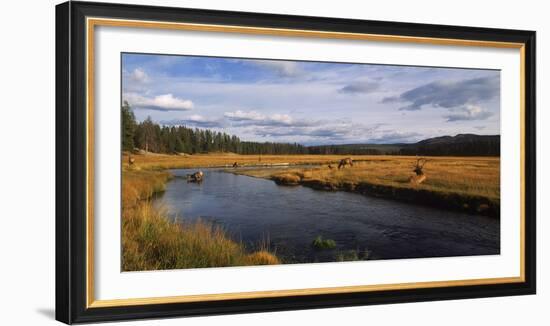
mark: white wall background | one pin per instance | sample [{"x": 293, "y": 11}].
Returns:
[{"x": 27, "y": 161}]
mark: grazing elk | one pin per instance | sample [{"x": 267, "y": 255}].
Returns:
[
  {"x": 419, "y": 176},
  {"x": 235, "y": 165},
  {"x": 344, "y": 162},
  {"x": 330, "y": 166},
  {"x": 195, "y": 177},
  {"x": 131, "y": 160}
]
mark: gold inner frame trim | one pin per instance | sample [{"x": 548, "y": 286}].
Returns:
[
  {"x": 92, "y": 22},
  {"x": 300, "y": 292}
]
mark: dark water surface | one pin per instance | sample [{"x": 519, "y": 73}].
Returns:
[{"x": 257, "y": 210}]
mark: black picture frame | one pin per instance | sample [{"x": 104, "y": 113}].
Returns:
[{"x": 71, "y": 158}]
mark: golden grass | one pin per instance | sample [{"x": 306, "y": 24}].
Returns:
[
  {"x": 139, "y": 185},
  {"x": 466, "y": 176},
  {"x": 151, "y": 242},
  {"x": 465, "y": 184},
  {"x": 164, "y": 161}
]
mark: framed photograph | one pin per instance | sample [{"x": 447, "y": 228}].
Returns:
[{"x": 212, "y": 162}]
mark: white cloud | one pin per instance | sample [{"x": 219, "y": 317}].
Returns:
[
  {"x": 195, "y": 120},
  {"x": 197, "y": 117},
  {"x": 333, "y": 132},
  {"x": 468, "y": 112},
  {"x": 165, "y": 102},
  {"x": 244, "y": 115},
  {"x": 255, "y": 118},
  {"x": 282, "y": 118},
  {"x": 139, "y": 75}
]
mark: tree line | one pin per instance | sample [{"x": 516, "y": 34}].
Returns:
[
  {"x": 469, "y": 146},
  {"x": 481, "y": 147},
  {"x": 351, "y": 149},
  {"x": 152, "y": 137}
]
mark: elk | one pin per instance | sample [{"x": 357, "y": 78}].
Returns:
[
  {"x": 195, "y": 177},
  {"x": 131, "y": 160},
  {"x": 419, "y": 176},
  {"x": 235, "y": 165},
  {"x": 330, "y": 166},
  {"x": 344, "y": 162}
]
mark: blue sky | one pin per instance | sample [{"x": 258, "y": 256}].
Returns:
[{"x": 311, "y": 102}]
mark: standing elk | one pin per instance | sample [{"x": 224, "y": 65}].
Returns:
[
  {"x": 330, "y": 166},
  {"x": 131, "y": 160},
  {"x": 344, "y": 162},
  {"x": 235, "y": 165},
  {"x": 419, "y": 176}
]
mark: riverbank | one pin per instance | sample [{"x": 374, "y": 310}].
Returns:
[
  {"x": 462, "y": 184},
  {"x": 152, "y": 161},
  {"x": 151, "y": 241},
  {"x": 468, "y": 184}
]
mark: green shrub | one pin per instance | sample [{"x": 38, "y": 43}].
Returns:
[{"x": 320, "y": 243}]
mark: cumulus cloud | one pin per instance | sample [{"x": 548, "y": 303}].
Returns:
[
  {"x": 468, "y": 113},
  {"x": 283, "y": 125},
  {"x": 359, "y": 87},
  {"x": 283, "y": 68},
  {"x": 254, "y": 118},
  {"x": 322, "y": 132},
  {"x": 449, "y": 94},
  {"x": 328, "y": 132},
  {"x": 244, "y": 116},
  {"x": 139, "y": 75},
  {"x": 165, "y": 102},
  {"x": 194, "y": 120}
]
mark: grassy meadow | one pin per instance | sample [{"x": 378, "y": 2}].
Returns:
[
  {"x": 151, "y": 241},
  {"x": 470, "y": 184},
  {"x": 154, "y": 161}
]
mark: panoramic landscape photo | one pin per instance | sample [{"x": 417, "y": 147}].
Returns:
[{"x": 239, "y": 162}]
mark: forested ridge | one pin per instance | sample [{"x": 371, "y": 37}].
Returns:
[{"x": 152, "y": 137}]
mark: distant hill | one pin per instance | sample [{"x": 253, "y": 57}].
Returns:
[{"x": 459, "y": 145}]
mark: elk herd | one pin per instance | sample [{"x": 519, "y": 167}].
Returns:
[{"x": 418, "y": 169}]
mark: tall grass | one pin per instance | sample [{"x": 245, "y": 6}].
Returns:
[
  {"x": 139, "y": 185},
  {"x": 466, "y": 184},
  {"x": 150, "y": 241},
  {"x": 152, "y": 161},
  {"x": 463, "y": 176}
]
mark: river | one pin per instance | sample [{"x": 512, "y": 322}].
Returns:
[{"x": 258, "y": 211}]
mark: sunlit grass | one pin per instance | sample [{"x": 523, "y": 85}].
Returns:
[
  {"x": 150, "y": 241},
  {"x": 154, "y": 161},
  {"x": 466, "y": 176},
  {"x": 468, "y": 184},
  {"x": 139, "y": 185}
]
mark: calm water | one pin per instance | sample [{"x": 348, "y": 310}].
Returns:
[{"x": 256, "y": 210}]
